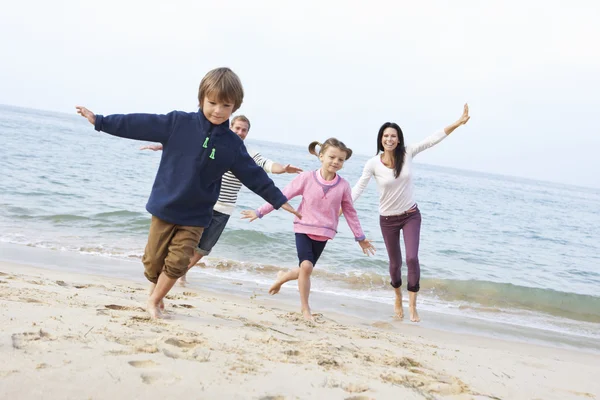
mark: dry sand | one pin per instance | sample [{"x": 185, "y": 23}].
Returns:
[{"x": 75, "y": 336}]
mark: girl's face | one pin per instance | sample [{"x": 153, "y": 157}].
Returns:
[
  {"x": 389, "y": 140},
  {"x": 332, "y": 159}
]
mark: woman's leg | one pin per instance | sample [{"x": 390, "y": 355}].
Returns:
[
  {"x": 390, "y": 231},
  {"x": 411, "y": 232}
]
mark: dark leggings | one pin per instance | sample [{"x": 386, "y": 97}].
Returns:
[{"x": 410, "y": 224}]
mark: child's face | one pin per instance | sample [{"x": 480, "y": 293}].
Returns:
[
  {"x": 215, "y": 111},
  {"x": 240, "y": 128},
  {"x": 332, "y": 159}
]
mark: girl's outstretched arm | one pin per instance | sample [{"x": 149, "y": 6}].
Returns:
[{"x": 293, "y": 189}]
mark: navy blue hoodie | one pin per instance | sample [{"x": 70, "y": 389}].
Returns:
[{"x": 196, "y": 154}]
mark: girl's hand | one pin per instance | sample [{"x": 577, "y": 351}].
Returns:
[
  {"x": 367, "y": 247},
  {"x": 291, "y": 209},
  {"x": 465, "y": 116},
  {"x": 85, "y": 113},
  {"x": 290, "y": 169},
  {"x": 249, "y": 214},
  {"x": 154, "y": 147},
  {"x": 341, "y": 212}
]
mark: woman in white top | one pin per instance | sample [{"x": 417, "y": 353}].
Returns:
[{"x": 397, "y": 208}]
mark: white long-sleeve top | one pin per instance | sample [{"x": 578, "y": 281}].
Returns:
[{"x": 396, "y": 195}]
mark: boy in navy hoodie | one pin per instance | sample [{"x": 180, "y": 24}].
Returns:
[{"x": 198, "y": 148}]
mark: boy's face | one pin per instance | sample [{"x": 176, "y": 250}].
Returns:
[
  {"x": 215, "y": 111},
  {"x": 240, "y": 128}
]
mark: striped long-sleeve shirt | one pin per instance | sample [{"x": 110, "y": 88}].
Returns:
[{"x": 230, "y": 185}]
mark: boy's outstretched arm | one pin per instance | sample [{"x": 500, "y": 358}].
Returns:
[{"x": 149, "y": 127}]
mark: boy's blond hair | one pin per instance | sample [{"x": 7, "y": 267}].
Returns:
[
  {"x": 242, "y": 118},
  {"x": 222, "y": 85}
]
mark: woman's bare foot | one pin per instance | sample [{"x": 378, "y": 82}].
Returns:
[
  {"x": 414, "y": 316},
  {"x": 412, "y": 307},
  {"x": 274, "y": 289},
  {"x": 398, "y": 304},
  {"x": 307, "y": 314}
]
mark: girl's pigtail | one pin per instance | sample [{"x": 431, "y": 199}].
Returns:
[{"x": 312, "y": 148}]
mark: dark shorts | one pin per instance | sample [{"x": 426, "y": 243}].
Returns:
[
  {"x": 308, "y": 249},
  {"x": 212, "y": 233}
]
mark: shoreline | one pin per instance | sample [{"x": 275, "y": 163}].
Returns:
[{"x": 213, "y": 281}]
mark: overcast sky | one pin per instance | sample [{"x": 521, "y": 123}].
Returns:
[{"x": 314, "y": 69}]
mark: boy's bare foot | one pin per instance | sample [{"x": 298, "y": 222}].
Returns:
[
  {"x": 274, "y": 289},
  {"x": 307, "y": 314},
  {"x": 161, "y": 304},
  {"x": 195, "y": 258},
  {"x": 182, "y": 281},
  {"x": 398, "y": 304},
  {"x": 154, "y": 310}
]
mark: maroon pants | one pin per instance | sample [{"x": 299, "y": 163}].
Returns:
[{"x": 410, "y": 224}]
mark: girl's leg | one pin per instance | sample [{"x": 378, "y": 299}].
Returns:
[
  {"x": 306, "y": 269},
  {"x": 412, "y": 232},
  {"x": 283, "y": 277},
  {"x": 390, "y": 231}
]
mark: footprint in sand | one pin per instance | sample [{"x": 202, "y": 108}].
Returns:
[
  {"x": 142, "y": 363},
  {"x": 359, "y": 398},
  {"x": 62, "y": 283},
  {"x": 123, "y": 308},
  {"x": 277, "y": 397},
  {"x": 20, "y": 340},
  {"x": 150, "y": 378},
  {"x": 185, "y": 344},
  {"x": 190, "y": 294}
]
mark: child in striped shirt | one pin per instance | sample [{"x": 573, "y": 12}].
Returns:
[{"x": 323, "y": 192}]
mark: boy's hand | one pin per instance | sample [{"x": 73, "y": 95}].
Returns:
[
  {"x": 249, "y": 214},
  {"x": 155, "y": 147},
  {"x": 367, "y": 247},
  {"x": 291, "y": 209},
  {"x": 85, "y": 113},
  {"x": 290, "y": 169}
]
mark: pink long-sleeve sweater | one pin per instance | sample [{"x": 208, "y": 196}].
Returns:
[{"x": 320, "y": 205}]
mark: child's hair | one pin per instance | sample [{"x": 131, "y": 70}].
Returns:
[
  {"x": 331, "y": 142},
  {"x": 223, "y": 85},
  {"x": 242, "y": 118}
]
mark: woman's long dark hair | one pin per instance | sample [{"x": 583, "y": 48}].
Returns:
[{"x": 400, "y": 150}]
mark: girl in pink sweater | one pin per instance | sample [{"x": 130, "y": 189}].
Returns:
[{"x": 323, "y": 193}]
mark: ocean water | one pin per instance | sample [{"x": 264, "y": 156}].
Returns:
[{"x": 499, "y": 249}]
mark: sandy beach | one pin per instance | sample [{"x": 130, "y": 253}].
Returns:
[{"x": 72, "y": 336}]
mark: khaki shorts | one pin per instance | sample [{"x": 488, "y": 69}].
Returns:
[{"x": 169, "y": 249}]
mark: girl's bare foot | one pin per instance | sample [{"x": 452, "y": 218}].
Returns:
[
  {"x": 398, "y": 304},
  {"x": 274, "y": 289},
  {"x": 307, "y": 314},
  {"x": 412, "y": 307}
]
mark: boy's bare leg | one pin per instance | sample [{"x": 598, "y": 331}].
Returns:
[
  {"x": 398, "y": 304},
  {"x": 160, "y": 291},
  {"x": 161, "y": 305},
  {"x": 193, "y": 261},
  {"x": 412, "y": 307},
  {"x": 283, "y": 277},
  {"x": 304, "y": 287}
]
